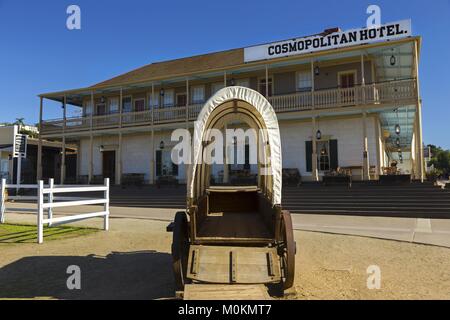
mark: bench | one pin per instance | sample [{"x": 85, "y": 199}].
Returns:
[
  {"x": 166, "y": 181},
  {"x": 291, "y": 176},
  {"x": 132, "y": 179}
]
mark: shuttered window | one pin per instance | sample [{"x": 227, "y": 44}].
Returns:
[{"x": 327, "y": 155}]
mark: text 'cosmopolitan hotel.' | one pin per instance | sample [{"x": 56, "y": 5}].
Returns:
[{"x": 344, "y": 99}]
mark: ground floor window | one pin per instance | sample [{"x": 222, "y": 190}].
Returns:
[
  {"x": 323, "y": 155},
  {"x": 327, "y": 155}
]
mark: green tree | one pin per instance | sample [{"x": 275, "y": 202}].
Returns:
[{"x": 440, "y": 158}]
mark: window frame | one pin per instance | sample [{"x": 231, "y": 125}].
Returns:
[
  {"x": 123, "y": 104},
  {"x": 172, "y": 93},
  {"x": 297, "y": 81},
  {"x": 272, "y": 91},
  {"x": 192, "y": 95}
]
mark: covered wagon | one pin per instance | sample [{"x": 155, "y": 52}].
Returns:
[{"x": 235, "y": 234}]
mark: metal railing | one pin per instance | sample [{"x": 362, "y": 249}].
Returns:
[{"x": 376, "y": 93}]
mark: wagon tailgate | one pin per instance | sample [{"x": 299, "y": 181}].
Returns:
[
  {"x": 235, "y": 265},
  {"x": 225, "y": 292}
]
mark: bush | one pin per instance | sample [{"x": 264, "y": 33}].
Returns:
[{"x": 434, "y": 174}]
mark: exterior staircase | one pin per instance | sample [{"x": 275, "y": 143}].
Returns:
[
  {"x": 369, "y": 199},
  {"x": 362, "y": 199}
]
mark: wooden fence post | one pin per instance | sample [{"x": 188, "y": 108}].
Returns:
[
  {"x": 2, "y": 200},
  {"x": 51, "y": 183},
  {"x": 106, "y": 206},
  {"x": 40, "y": 212}
]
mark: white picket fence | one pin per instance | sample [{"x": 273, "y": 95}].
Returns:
[{"x": 47, "y": 192}]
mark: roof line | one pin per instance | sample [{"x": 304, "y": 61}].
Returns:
[{"x": 418, "y": 39}]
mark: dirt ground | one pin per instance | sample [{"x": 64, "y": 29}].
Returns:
[{"x": 132, "y": 261}]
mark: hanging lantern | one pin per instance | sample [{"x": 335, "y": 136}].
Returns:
[
  {"x": 232, "y": 82},
  {"x": 397, "y": 129},
  {"x": 316, "y": 70},
  {"x": 161, "y": 145},
  {"x": 161, "y": 92},
  {"x": 318, "y": 135},
  {"x": 397, "y": 142},
  {"x": 393, "y": 60},
  {"x": 102, "y": 99}
]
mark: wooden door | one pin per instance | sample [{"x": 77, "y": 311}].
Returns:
[
  {"x": 346, "y": 84},
  {"x": 109, "y": 165},
  {"x": 181, "y": 100}
]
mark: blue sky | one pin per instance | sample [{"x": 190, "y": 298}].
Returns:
[{"x": 39, "y": 54}]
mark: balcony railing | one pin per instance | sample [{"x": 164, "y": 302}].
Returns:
[{"x": 370, "y": 94}]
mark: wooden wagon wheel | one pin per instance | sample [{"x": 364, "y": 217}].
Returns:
[
  {"x": 286, "y": 249},
  {"x": 180, "y": 249}
]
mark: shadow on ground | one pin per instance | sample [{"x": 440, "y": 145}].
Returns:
[{"x": 119, "y": 275}]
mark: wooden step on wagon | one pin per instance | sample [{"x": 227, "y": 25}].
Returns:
[{"x": 234, "y": 235}]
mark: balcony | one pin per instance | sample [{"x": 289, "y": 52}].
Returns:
[{"x": 392, "y": 92}]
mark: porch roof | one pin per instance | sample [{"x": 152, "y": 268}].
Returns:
[{"x": 214, "y": 64}]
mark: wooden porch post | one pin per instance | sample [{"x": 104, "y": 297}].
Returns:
[
  {"x": 63, "y": 154},
  {"x": 313, "y": 102},
  {"x": 267, "y": 82},
  {"x": 187, "y": 102},
  {"x": 363, "y": 80},
  {"x": 224, "y": 79},
  {"x": 91, "y": 142},
  {"x": 315, "y": 173},
  {"x": 420, "y": 159},
  {"x": 119, "y": 169},
  {"x": 39, "y": 155},
  {"x": 365, "y": 165},
  {"x": 152, "y": 155}
]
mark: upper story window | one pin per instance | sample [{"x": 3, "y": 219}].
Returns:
[
  {"x": 216, "y": 87},
  {"x": 126, "y": 104},
  {"x": 198, "y": 94},
  {"x": 88, "y": 108},
  {"x": 242, "y": 83},
  {"x": 153, "y": 101},
  {"x": 262, "y": 86},
  {"x": 304, "y": 81},
  {"x": 139, "y": 105},
  {"x": 168, "y": 99},
  {"x": 101, "y": 109},
  {"x": 113, "y": 104}
]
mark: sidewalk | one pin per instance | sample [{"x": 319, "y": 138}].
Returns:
[{"x": 416, "y": 230}]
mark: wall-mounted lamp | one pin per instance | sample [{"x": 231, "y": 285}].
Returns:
[
  {"x": 316, "y": 70},
  {"x": 161, "y": 145},
  {"x": 318, "y": 135},
  {"x": 161, "y": 92},
  {"x": 397, "y": 129},
  {"x": 397, "y": 142},
  {"x": 232, "y": 82},
  {"x": 393, "y": 60},
  {"x": 102, "y": 99},
  {"x": 102, "y": 148}
]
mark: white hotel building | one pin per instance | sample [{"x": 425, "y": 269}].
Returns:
[{"x": 358, "y": 88}]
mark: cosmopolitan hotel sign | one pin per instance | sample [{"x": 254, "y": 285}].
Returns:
[{"x": 334, "y": 40}]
